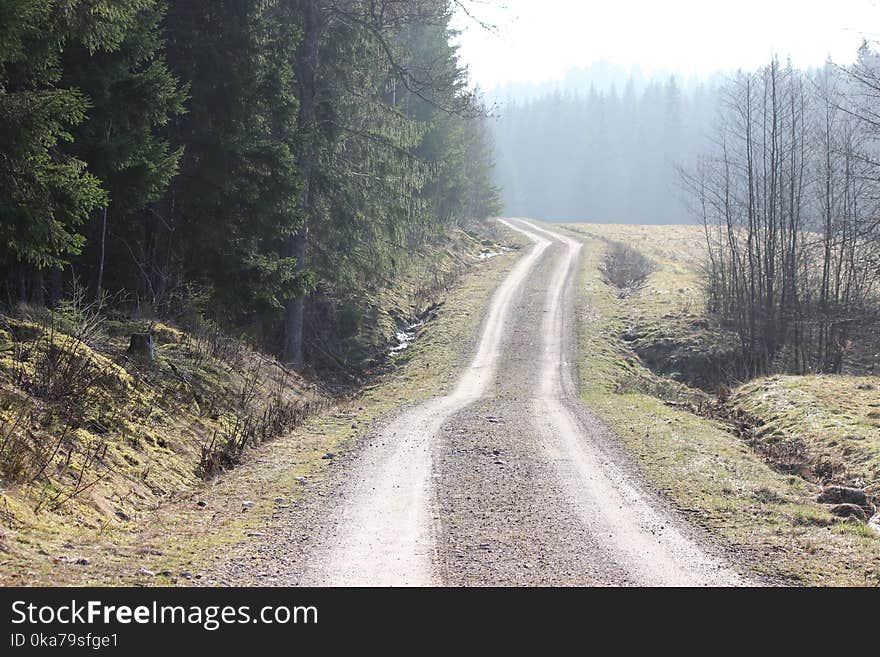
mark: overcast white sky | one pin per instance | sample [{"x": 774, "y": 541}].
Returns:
[{"x": 540, "y": 39}]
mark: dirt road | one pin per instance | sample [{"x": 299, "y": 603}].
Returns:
[
  {"x": 384, "y": 535},
  {"x": 506, "y": 480}
]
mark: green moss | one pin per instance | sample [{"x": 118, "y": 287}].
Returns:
[{"x": 164, "y": 334}]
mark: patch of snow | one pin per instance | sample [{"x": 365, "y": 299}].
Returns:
[
  {"x": 405, "y": 337},
  {"x": 486, "y": 254}
]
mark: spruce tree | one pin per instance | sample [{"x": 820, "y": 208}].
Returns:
[
  {"x": 235, "y": 197},
  {"x": 47, "y": 194},
  {"x": 133, "y": 97}
]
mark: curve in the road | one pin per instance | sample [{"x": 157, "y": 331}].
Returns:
[
  {"x": 645, "y": 539},
  {"x": 384, "y": 535}
]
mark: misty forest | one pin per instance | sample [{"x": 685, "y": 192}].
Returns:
[
  {"x": 601, "y": 154},
  {"x": 303, "y": 268},
  {"x": 779, "y": 165}
]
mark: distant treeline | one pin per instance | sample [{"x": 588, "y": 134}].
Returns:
[
  {"x": 234, "y": 155},
  {"x": 789, "y": 194},
  {"x": 602, "y": 156}
]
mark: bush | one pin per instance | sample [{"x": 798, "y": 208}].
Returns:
[{"x": 625, "y": 268}]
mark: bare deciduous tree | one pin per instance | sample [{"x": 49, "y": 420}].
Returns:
[{"x": 788, "y": 200}]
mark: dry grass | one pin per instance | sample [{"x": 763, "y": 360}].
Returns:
[
  {"x": 92, "y": 439},
  {"x": 769, "y": 519}
]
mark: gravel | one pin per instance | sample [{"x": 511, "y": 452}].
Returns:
[{"x": 506, "y": 481}]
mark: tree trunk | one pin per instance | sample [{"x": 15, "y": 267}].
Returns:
[
  {"x": 141, "y": 347},
  {"x": 38, "y": 289},
  {"x": 102, "y": 251},
  {"x": 297, "y": 246},
  {"x": 294, "y": 311},
  {"x": 55, "y": 285}
]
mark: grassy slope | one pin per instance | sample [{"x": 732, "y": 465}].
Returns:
[
  {"x": 93, "y": 442},
  {"x": 179, "y": 534},
  {"x": 367, "y": 322},
  {"x": 836, "y": 420},
  {"x": 707, "y": 472}
]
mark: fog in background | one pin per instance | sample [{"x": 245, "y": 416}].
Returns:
[
  {"x": 606, "y": 154},
  {"x": 595, "y": 104}
]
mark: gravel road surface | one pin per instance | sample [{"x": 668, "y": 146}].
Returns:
[{"x": 507, "y": 480}]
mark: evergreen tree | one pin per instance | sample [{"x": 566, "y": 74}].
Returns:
[
  {"x": 46, "y": 194},
  {"x": 238, "y": 153},
  {"x": 369, "y": 104},
  {"x": 234, "y": 203},
  {"x": 601, "y": 156},
  {"x": 133, "y": 96}
]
